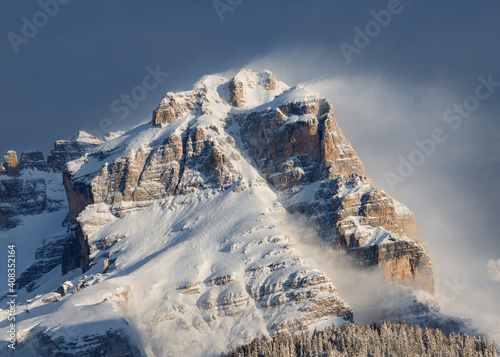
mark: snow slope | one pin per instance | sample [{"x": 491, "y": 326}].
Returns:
[{"x": 169, "y": 268}]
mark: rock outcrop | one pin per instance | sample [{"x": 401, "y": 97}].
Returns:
[
  {"x": 174, "y": 106},
  {"x": 10, "y": 165},
  {"x": 47, "y": 257},
  {"x": 25, "y": 195},
  {"x": 33, "y": 160},
  {"x": 297, "y": 141},
  {"x": 245, "y": 83}
]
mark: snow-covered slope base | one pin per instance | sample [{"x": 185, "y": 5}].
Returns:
[{"x": 192, "y": 275}]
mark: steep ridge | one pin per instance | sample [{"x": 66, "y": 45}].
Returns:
[{"x": 176, "y": 225}]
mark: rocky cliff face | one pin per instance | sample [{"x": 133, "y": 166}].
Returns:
[
  {"x": 28, "y": 189},
  {"x": 33, "y": 160},
  {"x": 352, "y": 214},
  {"x": 36, "y": 188},
  {"x": 9, "y": 165}
]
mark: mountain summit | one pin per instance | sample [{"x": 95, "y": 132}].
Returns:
[{"x": 177, "y": 236}]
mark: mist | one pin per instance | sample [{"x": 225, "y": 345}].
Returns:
[{"x": 362, "y": 288}]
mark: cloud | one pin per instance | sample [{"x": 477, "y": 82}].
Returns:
[{"x": 494, "y": 270}]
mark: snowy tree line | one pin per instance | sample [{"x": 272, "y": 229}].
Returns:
[{"x": 386, "y": 339}]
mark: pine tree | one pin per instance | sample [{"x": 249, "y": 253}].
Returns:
[{"x": 386, "y": 339}]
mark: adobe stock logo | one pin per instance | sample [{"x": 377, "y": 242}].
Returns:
[
  {"x": 451, "y": 291},
  {"x": 30, "y": 28},
  {"x": 127, "y": 102},
  {"x": 223, "y": 6}
]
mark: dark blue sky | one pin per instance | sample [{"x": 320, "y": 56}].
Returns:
[
  {"x": 89, "y": 53},
  {"x": 393, "y": 92}
]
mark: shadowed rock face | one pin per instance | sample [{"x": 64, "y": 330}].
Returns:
[
  {"x": 33, "y": 160},
  {"x": 22, "y": 197},
  {"x": 32, "y": 186},
  {"x": 115, "y": 344},
  {"x": 47, "y": 257},
  {"x": 22, "y": 194}
]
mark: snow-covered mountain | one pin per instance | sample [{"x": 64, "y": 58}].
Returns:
[{"x": 177, "y": 237}]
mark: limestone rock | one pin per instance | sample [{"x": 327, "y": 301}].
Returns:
[
  {"x": 237, "y": 93},
  {"x": 243, "y": 86},
  {"x": 55, "y": 297},
  {"x": 298, "y": 141},
  {"x": 63, "y": 288},
  {"x": 34, "y": 186},
  {"x": 173, "y": 106},
  {"x": 221, "y": 280},
  {"x": 10, "y": 165},
  {"x": 362, "y": 219},
  {"x": 193, "y": 288},
  {"x": 79, "y": 286},
  {"x": 23, "y": 196}
]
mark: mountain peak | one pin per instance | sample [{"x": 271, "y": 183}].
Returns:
[
  {"x": 214, "y": 94},
  {"x": 185, "y": 223},
  {"x": 247, "y": 131}
]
